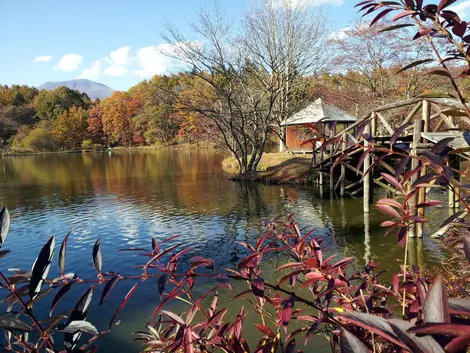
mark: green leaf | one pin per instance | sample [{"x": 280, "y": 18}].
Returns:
[{"x": 413, "y": 64}]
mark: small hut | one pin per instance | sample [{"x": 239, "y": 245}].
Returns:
[{"x": 297, "y": 133}]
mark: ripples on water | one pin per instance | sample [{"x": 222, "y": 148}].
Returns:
[{"x": 127, "y": 197}]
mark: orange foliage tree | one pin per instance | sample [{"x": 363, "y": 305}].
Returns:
[
  {"x": 117, "y": 113},
  {"x": 95, "y": 125}
]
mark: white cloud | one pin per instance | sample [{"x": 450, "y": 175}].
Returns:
[
  {"x": 93, "y": 72},
  {"x": 462, "y": 8},
  {"x": 153, "y": 61},
  {"x": 343, "y": 33},
  {"x": 42, "y": 59},
  {"x": 119, "y": 56},
  {"x": 116, "y": 70},
  {"x": 69, "y": 62},
  {"x": 118, "y": 60}
]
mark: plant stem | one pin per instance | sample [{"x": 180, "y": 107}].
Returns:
[{"x": 29, "y": 312}]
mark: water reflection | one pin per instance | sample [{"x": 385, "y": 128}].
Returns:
[{"x": 129, "y": 196}]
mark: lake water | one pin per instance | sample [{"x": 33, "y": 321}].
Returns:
[{"x": 127, "y": 197}]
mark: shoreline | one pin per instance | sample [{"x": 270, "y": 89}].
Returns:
[
  {"x": 280, "y": 169},
  {"x": 184, "y": 146}
]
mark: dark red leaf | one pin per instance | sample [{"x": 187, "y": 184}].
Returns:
[
  {"x": 459, "y": 29},
  {"x": 342, "y": 263},
  {"x": 423, "y": 32},
  {"x": 452, "y": 218},
  {"x": 173, "y": 317},
  {"x": 161, "y": 284},
  {"x": 439, "y": 329},
  {"x": 458, "y": 344},
  {"x": 374, "y": 324},
  {"x": 108, "y": 288},
  {"x": 441, "y": 145},
  {"x": 401, "y": 236},
  {"x": 403, "y": 127},
  {"x": 436, "y": 306},
  {"x": 417, "y": 344},
  {"x": 60, "y": 294},
  {"x": 97, "y": 258},
  {"x": 155, "y": 246},
  {"x": 390, "y": 202},
  {"x": 466, "y": 247},
  {"x": 266, "y": 331},
  {"x": 363, "y": 2},
  {"x": 250, "y": 261},
  {"x": 238, "y": 324},
  {"x": 123, "y": 303},
  {"x": 351, "y": 344},
  {"x": 41, "y": 268},
  {"x": 317, "y": 252},
  {"x": 388, "y": 224},
  {"x": 443, "y": 4},
  {"x": 388, "y": 210},
  {"x": 62, "y": 254},
  {"x": 425, "y": 179},
  {"x": 459, "y": 306},
  {"x": 392, "y": 180},
  {"x": 199, "y": 261},
  {"x": 290, "y": 348},
  {"x": 287, "y": 311},
  {"x": 403, "y": 14},
  {"x": 400, "y": 167},
  {"x": 257, "y": 287},
  {"x": 362, "y": 158}
]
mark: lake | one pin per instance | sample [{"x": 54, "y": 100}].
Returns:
[{"x": 128, "y": 197}]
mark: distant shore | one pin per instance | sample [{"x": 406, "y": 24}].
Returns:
[{"x": 183, "y": 146}]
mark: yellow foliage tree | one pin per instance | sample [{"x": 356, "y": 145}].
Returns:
[{"x": 70, "y": 127}]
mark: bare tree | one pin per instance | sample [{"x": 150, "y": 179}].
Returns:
[
  {"x": 249, "y": 81},
  {"x": 372, "y": 56},
  {"x": 288, "y": 38}
]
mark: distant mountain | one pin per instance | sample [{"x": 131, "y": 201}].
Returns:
[{"x": 93, "y": 89}]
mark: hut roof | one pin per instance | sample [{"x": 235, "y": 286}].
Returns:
[{"x": 317, "y": 111}]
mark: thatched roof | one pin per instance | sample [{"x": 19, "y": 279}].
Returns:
[{"x": 317, "y": 111}]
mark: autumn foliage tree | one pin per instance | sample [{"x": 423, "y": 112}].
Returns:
[
  {"x": 117, "y": 114},
  {"x": 95, "y": 125},
  {"x": 50, "y": 104},
  {"x": 70, "y": 127}
]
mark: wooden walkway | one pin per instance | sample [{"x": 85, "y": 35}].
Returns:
[{"x": 414, "y": 126}]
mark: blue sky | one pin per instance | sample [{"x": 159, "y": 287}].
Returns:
[{"x": 110, "y": 41}]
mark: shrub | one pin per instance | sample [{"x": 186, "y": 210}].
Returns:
[
  {"x": 88, "y": 145},
  {"x": 40, "y": 140}
]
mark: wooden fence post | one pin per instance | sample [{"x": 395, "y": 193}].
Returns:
[
  {"x": 343, "y": 167},
  {"x": 426, "y": 120},
  {"x": 366, "y": 180},
  {"x": 414, "y": 165},
  {"x": 321, "y": 166},
  {"x": 332, "y": 150}
]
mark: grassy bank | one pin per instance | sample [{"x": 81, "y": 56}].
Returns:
[{"x": 274, "y": 168}]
